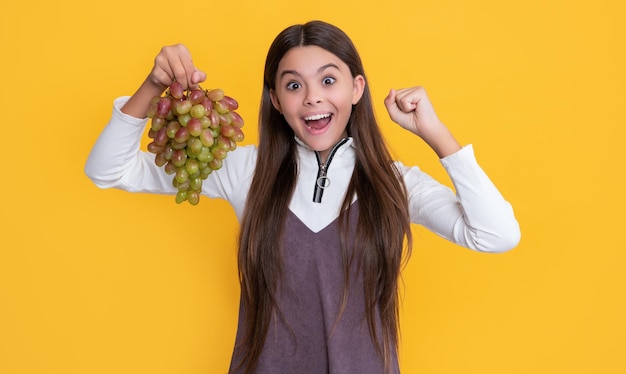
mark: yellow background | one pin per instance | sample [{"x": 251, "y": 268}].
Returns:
[{"x": 95, "y": 281}]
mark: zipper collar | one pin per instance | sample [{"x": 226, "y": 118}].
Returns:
[
  {"x": 303, "y": 144},
  {"x": 322, "y": 181}
]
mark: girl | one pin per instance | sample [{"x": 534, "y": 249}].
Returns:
[{"x": 325, "y": 213}]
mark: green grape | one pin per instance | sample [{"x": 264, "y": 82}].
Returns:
[
  {"x": 181, "y": 197},
  {"x": 207, "y": 103},
  {"x": 176, "y": 90},
  {"x": 172, "y": 128},
  {"x": 229, "y": 103},
  {"x": 215, "y": 164},
  {"x": 155, "y": 148},
  {"x": 196, "y": 96},
  {"x": 215, "y": 119},
  {"x": 205, "y": 155},
  {"x": 219, "y": 153},
  {"x": 205, "y": 172},
  {"x": 160, "y": 138},
  {"x": 168, "y": 152},
  {"x": 159, "y": 159},
  {"x": 182, "y": 135},
  {"x": 163, "y": 107},
  {"x": 183, "y": 119},
  {"x": 195, "y": 183},
  {"x": 192, "y": 166},
  {"x": 194, "y": 127},
  {"x": 228, "y": 131},
  {"x": 181, "y": 107},
  {"x": 216, "y": 94},
  {"x": 195, "y": 144},
  {"x": 219, "y": 107},
  {"x": 182, "y": 175},
  {"x": 206, "y": 137},
  {"x": 197, "y": 111},
  {"x": 190, "y": 153},
  {"x": 238, "y": 136},
  {"x": 157, "y": 123},
  {"x": 235, "y": 119},
  {"x": 170, "y": 168},
  {"x": 225, "y": 119},
  {"x": 182, "y": 186},
  {"x": 222, "y": 142},
  {"x": 193, "y": 197},
  {"x": 179, "y": 157},
  {"x": 177, "y": 145},
  {"x": 205, "y": 122}
]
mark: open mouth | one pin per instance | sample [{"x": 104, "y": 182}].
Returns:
[{"x": 318, "y": 121}]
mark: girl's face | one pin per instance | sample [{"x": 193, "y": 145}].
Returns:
[{"x": 315, "y": 93}]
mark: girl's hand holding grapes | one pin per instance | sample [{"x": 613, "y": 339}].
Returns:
[
  {"x": 411, "y": 108},
  {"x": 173, "y": 63}
]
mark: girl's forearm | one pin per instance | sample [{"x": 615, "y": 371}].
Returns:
[
  {"x": 138, "y": 104},
  {"x": 441, "y": 141}
]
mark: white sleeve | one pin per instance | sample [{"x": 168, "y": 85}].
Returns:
[
  {"x": 476, "y": 217},
  {"x": 116, "y": 161}
]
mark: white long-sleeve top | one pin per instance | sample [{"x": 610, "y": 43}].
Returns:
[{"x": 476, "y": 216}]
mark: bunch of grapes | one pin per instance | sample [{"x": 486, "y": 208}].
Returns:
[{"x": 192, "y": 131}]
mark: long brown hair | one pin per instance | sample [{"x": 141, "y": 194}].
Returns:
[{"x": 383, "y": 227}]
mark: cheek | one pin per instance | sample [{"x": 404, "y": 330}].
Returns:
[
  {"x": 345, "y": 103},
  {"x": 288, "y": 104},
  {"x": 347, "y": 96}
]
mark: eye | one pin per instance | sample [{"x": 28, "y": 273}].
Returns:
[
  {"x": 328, "y": 80},
  {"x": 293, "y": 86}
]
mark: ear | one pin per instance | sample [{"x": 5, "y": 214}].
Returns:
[
  {"x": 359, "y": 87},
  {"x": 275, "y": 101}
]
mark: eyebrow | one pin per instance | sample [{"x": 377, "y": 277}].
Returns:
[{"x": 324, "y": 67}]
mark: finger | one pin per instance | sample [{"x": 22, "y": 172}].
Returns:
[
  {"x": 197, "y": 77},
  {"x": 390, "y": 100},
  {"x": 175, "y": 60},
  {"x": 190, "y": 71},
  {"x": 161, "y": 78},
  {"x": 161, "y": 72},
  {"x": 182, "y": 72},
  {"x": 407, "y": 100},
  {"x": 189, "y": 76}
]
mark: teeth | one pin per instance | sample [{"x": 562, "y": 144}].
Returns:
[{"x": 317, "y": 117}]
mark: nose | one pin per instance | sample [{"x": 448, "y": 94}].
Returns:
[{"x": 312, "y": 97}]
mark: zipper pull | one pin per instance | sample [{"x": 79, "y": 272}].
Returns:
[{"x": 322, "y": 180}]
